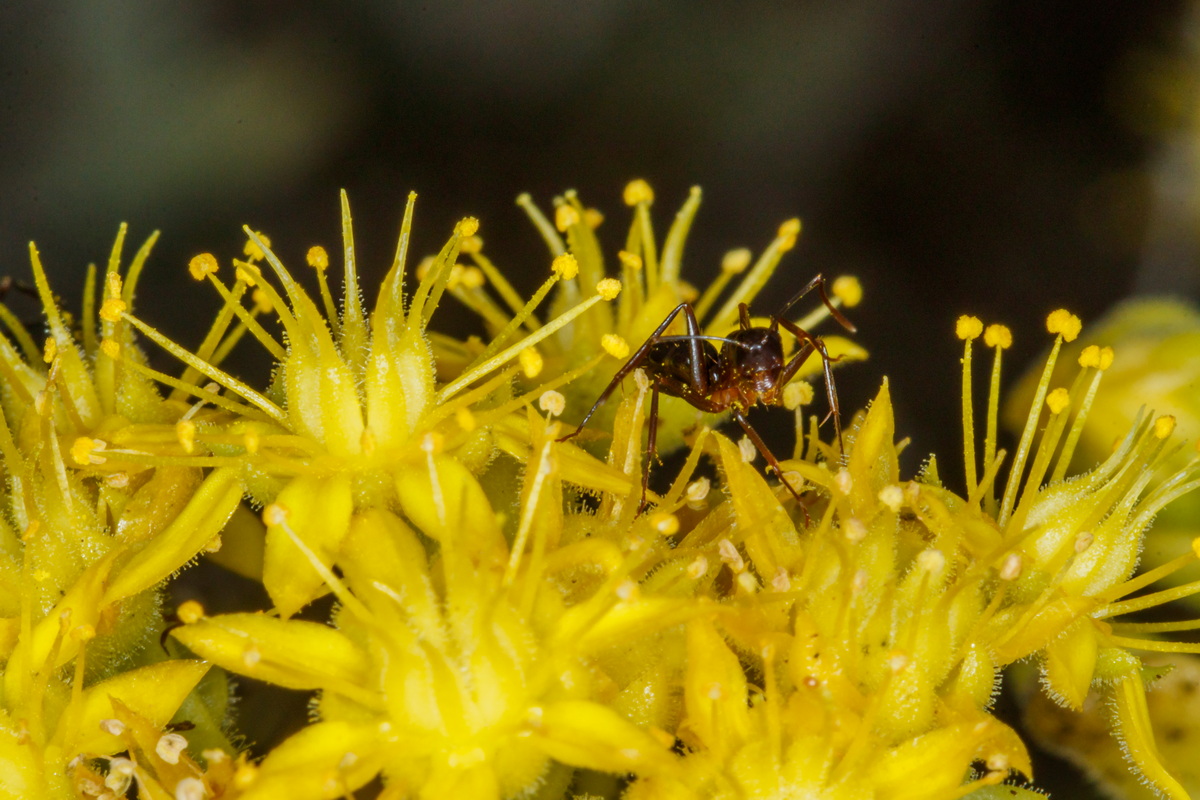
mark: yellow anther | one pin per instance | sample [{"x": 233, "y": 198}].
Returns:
[
  {"x": 638, "y": 191},
  {"x": 169, "y": 746},
  {"x": 112, "y": 309},
  {"x": 423, "y": 267},
  {"x": 468, "y": 227},
  {"x": 471, "y": 277},
  {"x": 84, "y": 449},
  {"x": 262, "y": 301},
  {"x": 564, "y": 217},
  {"x": 892, "y": 497},
  {"x": 317, "y": 258},
  {"x": 698, "y": 490},
  {"x": 1164, "y": 426},
  {"x": 630, "y": 260},
  {"x": 931, "y": 560},
  {"x": 1058, "y": 400},
  {"x": 736, "y": 261},
  {"x": 1010, "y": 570},
  {"x": 747, "y": 450},
  {"x": 730, "y": 556},
  {"x": 968, "y": 327},
  {"x": 788, "y": 233},
  {"x": 1064, "y": 323},
  {"x": 190, "y": 612},
  {"x": 796, "y": 394},
  {"x": 1090, "y": 357},
  {"x": 202, "y": 265},
  {"x": 432, "y": 443},
  {"x": 110, "y": 348},
  {"x": 1106, "y": 357},
  {"x": 185, "y": 432},
  {"x": 565, "y": 266},
  {"x": 248, "y": 273},
  {"x": 552, "y": 402},
  {"x": 593, "y": 218},
  {"x": 275, "y": 514},
  {"x": 465, "y": 419},
  {"x": 664, "y": 524},
  {"x": 998, "y": 336},
  {"x": 251, "y": 440},
  {"x": 615, "y": 345},
  {"x": 253, "y": 251},
  {"x": 608, "y": 288},
  {"x": 470, "y": 244},
  {"x": 854, "y": 530},
  {"x": 50, "y": 350},
  {"x": 847, "y": 289},
  {"x": 531, "y": 362}
]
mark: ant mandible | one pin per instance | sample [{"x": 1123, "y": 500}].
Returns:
[{"x": 748, "y": 369}]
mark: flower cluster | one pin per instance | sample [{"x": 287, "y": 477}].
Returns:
[{"x": 509, "y": 621}]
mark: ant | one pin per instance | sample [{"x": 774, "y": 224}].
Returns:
[{"x": 748, "y": 369}]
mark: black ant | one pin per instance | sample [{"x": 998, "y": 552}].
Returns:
[{"x": 748, "y": 369}]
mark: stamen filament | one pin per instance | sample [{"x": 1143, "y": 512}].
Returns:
[
  {"x": 1149, "y": 600},
  {"x": 1018, "y": 468},
  {"x": 1155, "y": 646},
  {"x": 543, "y": 225},
  {"x": 511, "y": 352},
  {"x": 208, "y": 370}
]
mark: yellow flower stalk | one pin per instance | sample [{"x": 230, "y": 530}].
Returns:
[{"x": 507, "y": 621}]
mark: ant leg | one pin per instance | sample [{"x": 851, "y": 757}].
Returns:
[
  {"x": 810, "y": 345},
  {"x": 818, "y": 283},
  {"x": 651, "y": 446},
  {"x": 636, "y": 360},
  {"x": 761, "y": 446}
]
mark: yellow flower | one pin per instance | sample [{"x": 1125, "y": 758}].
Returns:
[
  {"x": 596, "y": 345},
  {"x": 356, "y": 401},
  {"x": 460, "y": 665},
  {"x": 96, "y": 515}
]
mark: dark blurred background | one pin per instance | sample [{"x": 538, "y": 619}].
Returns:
[{"x": 998, "y": 158}]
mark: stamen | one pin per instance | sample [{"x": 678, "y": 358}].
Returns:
[
  {"x": 1092, "y": 357},
  {"x": 1066, "y": 326},
  {"x": 225, "y": 379},
  {"x": 757, "y": 277},
  {"x": 607, "y": 289},
  {"x": 734, "y": 263},
  {"x": 968, "y": 329},
  {"x": 999, "y": 338},
  {"x": 543, "y": 225},
  {"x": 672, "y": 254}
]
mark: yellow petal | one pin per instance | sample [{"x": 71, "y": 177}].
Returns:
[
  {"x": 318, "y": 513},
  {"x": 202, "y": 519},
  {"x": 291, "y": 653},
  {"x": 1070, "y": 662},
  {"x": 324, "y": 760},
  {"x": 593, "y": 736},
  {"x": 1132, "y": 720},
  {"x": 153, "y": 691},
  {"x": 714, "y": 692}
]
